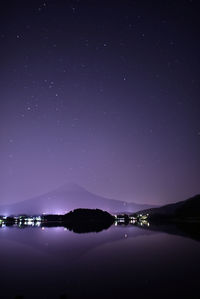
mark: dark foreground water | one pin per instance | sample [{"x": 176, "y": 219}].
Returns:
[{"x": 121, "y": 262}]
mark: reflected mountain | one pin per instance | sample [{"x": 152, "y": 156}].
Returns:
[{"x": 58, "y": 240}]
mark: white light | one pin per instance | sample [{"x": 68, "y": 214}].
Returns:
[{"x": 30, "y": 222}]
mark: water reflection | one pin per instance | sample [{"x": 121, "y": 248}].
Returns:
[
  {"x": 83, "y": 227},
  {"x": 186, "y": 229},
  {"x": 46, "y": 262}
]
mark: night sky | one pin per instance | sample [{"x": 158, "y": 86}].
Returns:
[{"x": 101, "y": 93}]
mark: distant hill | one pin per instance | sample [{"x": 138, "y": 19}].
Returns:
[
  {"x": 189, "y": 208},
  {"x": 66, "y": 198}
]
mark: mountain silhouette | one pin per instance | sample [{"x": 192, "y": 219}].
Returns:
[
  {"x": 181, "y": 218},
  {"x": 189, "y": 208},
  {"x": 68, "y": 197}
]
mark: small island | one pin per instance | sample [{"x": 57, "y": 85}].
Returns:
[{"x": 81, "y": 220}]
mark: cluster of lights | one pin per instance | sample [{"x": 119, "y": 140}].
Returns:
[
  {"x": 2, "y": 221},
  {"x": 140, "y": 219},
  {"x": 30, "y": 221},
  {"x": 22, "y": 220}
]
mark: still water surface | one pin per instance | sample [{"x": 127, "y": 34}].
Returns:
[{"x": 120, "y": 262}]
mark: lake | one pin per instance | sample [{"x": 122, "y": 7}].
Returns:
[{"x": 120, "y": 262}]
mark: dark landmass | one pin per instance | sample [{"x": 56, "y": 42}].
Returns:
[
  {"x": 82, "y": 220},
  {"x": 183, "y": 211},
  {"x": 181, "y": 218},
  {"x": 69, "y": 197}
]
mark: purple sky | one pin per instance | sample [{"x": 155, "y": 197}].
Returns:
[{"x": 103, "y": 94}]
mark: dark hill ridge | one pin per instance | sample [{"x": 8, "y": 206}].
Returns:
[
  {"x": 181, "y": 218},
  {"x": 187, "y": 209},
  {"x": 69, "y": 197}
]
